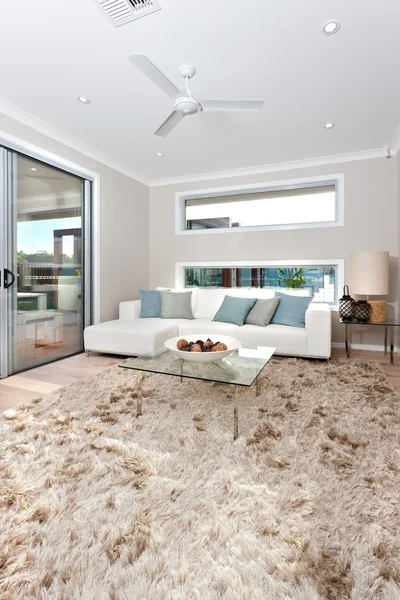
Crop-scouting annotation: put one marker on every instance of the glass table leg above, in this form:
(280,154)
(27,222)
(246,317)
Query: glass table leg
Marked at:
(139,395)
(347,340)
(235,412)
(386,338)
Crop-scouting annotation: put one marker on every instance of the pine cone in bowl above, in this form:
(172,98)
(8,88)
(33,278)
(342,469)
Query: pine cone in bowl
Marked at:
(181,343)
(196,348)
(208,344)
(220,347)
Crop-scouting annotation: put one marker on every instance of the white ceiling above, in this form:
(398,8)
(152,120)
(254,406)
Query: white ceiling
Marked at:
(52,51)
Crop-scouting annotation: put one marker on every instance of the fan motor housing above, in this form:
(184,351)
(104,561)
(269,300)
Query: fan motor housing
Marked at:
(187,105)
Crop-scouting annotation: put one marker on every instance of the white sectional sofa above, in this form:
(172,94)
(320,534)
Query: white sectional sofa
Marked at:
(132,336)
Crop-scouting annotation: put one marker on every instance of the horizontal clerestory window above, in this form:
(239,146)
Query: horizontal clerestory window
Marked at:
(319,281)
(292,206)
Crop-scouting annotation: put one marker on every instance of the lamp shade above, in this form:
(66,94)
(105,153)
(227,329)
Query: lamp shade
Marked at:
(369,273)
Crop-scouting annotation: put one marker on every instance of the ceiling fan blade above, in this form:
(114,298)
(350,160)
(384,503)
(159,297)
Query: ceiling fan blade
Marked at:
(168,125)
(222,105)
(152,72)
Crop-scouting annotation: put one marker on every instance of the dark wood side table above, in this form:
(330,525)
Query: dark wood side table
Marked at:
(388,325)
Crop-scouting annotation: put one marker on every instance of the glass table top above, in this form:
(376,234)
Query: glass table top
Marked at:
(386,322)
(240,368)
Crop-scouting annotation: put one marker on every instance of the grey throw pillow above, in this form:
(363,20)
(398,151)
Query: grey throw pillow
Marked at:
(262,312)
(176,305)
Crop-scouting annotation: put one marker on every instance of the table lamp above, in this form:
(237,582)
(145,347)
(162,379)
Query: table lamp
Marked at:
(369,276)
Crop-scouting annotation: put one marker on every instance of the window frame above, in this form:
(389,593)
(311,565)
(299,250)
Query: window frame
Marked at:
(336,180)
(338,263)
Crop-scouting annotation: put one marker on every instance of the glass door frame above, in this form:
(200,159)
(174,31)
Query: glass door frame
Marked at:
(7,236)
(4,210)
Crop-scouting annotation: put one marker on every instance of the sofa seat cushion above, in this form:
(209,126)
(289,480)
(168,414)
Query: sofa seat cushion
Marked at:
(287,340)
(207,326)
(131,337)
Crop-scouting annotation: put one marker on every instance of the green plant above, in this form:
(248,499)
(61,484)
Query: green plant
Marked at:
(292,278)
(77,272)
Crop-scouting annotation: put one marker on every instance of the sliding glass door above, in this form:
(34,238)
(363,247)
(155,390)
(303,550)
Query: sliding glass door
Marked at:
(45,263)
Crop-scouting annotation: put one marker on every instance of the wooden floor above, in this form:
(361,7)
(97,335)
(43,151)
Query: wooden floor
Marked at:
(26,386)
(392,371)
(21,388)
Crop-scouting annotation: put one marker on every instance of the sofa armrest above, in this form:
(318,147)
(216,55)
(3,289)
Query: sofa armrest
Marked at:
(129,309)
(318,329)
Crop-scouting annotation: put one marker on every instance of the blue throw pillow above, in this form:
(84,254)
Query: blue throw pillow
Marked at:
(235,310)
(291,310)
(151,304)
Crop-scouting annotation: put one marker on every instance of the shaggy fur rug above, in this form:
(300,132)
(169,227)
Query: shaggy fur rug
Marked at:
(98,505)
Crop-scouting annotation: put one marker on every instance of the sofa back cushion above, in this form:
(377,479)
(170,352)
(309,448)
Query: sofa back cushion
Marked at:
(207,303)
(261,293)
(150,305)
(176,305)
(291,310)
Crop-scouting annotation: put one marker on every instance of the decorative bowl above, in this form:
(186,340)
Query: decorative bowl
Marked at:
(203,357)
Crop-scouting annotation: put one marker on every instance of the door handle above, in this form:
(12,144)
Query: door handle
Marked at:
(7,274)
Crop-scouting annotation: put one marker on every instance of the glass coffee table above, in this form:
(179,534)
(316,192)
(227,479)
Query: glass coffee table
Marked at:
(240,369)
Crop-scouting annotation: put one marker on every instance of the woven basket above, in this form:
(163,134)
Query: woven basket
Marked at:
(378,311)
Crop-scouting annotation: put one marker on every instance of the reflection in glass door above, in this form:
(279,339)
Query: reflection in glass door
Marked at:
(45,253)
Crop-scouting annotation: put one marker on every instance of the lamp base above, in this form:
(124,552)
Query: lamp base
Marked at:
(378,311)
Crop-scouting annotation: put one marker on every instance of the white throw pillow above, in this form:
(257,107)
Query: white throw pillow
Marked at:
(208,302)
(238,292)
(261,293)
(294,292)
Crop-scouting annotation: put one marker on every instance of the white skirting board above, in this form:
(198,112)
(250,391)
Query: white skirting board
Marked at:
(376,348)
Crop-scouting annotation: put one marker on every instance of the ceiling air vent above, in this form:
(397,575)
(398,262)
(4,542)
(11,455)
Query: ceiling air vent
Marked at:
(120,12)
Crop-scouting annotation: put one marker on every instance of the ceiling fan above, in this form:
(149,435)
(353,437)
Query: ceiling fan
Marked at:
(185,103)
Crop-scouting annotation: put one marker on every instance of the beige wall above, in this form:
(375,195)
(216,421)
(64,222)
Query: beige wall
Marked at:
(124,222)
(371,209)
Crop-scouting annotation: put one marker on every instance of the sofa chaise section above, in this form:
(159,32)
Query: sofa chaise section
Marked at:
(130,337)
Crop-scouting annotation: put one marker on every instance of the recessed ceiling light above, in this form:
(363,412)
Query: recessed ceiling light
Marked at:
(83,99)
(329,125)
(331,27)
(160,154)
(33,169)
